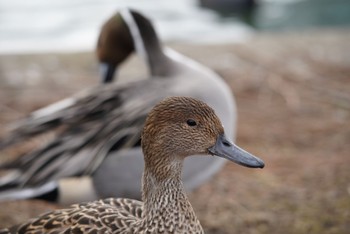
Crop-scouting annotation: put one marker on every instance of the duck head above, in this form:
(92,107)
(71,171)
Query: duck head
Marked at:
(114,45)
(125,32)
(179,127)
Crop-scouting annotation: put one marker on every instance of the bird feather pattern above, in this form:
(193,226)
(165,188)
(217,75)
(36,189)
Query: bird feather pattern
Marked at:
(104,118)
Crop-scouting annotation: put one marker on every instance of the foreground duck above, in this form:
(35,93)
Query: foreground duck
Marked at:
(100,128)
(175,128)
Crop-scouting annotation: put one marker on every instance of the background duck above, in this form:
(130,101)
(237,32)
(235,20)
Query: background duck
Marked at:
(102,126)
(175,128)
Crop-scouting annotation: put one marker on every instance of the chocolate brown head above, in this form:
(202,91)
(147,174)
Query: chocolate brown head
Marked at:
(114,45)
(128,31)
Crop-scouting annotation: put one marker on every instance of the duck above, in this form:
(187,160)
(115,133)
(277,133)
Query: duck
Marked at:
(100,128)
(176,128)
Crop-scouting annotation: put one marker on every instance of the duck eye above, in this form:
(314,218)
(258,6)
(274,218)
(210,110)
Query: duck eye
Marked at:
(191,122)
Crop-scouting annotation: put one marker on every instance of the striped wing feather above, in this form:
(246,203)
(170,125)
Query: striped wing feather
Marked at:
(108,117)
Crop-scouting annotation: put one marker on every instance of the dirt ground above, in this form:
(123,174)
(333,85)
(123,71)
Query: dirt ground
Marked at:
(293,97)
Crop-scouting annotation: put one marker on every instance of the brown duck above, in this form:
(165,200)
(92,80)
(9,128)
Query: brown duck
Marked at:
(175,128)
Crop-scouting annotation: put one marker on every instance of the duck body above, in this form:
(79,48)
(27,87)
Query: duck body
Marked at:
(175,128)
(100,142)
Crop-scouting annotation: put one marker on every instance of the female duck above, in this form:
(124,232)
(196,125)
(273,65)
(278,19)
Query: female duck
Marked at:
(176,128)
(102,126)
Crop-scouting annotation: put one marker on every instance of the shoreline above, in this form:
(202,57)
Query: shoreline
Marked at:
(251,36)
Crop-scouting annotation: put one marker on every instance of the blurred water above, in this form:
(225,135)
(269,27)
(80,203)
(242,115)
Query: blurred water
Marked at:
(301,14)
(73,25)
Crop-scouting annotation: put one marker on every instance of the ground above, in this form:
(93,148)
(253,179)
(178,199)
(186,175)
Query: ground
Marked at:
(293,99)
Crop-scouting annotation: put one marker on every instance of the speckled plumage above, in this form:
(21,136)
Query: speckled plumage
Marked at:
(175,128)
(94,217)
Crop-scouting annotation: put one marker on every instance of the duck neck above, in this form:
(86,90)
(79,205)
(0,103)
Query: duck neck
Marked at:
(164,195)
(147,44)
(159,64)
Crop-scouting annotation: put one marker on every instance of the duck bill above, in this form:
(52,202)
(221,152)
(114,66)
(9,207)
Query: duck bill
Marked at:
(107,71)
(226,149)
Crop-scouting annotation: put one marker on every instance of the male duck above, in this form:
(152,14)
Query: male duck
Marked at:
(101,127)
(175,128)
